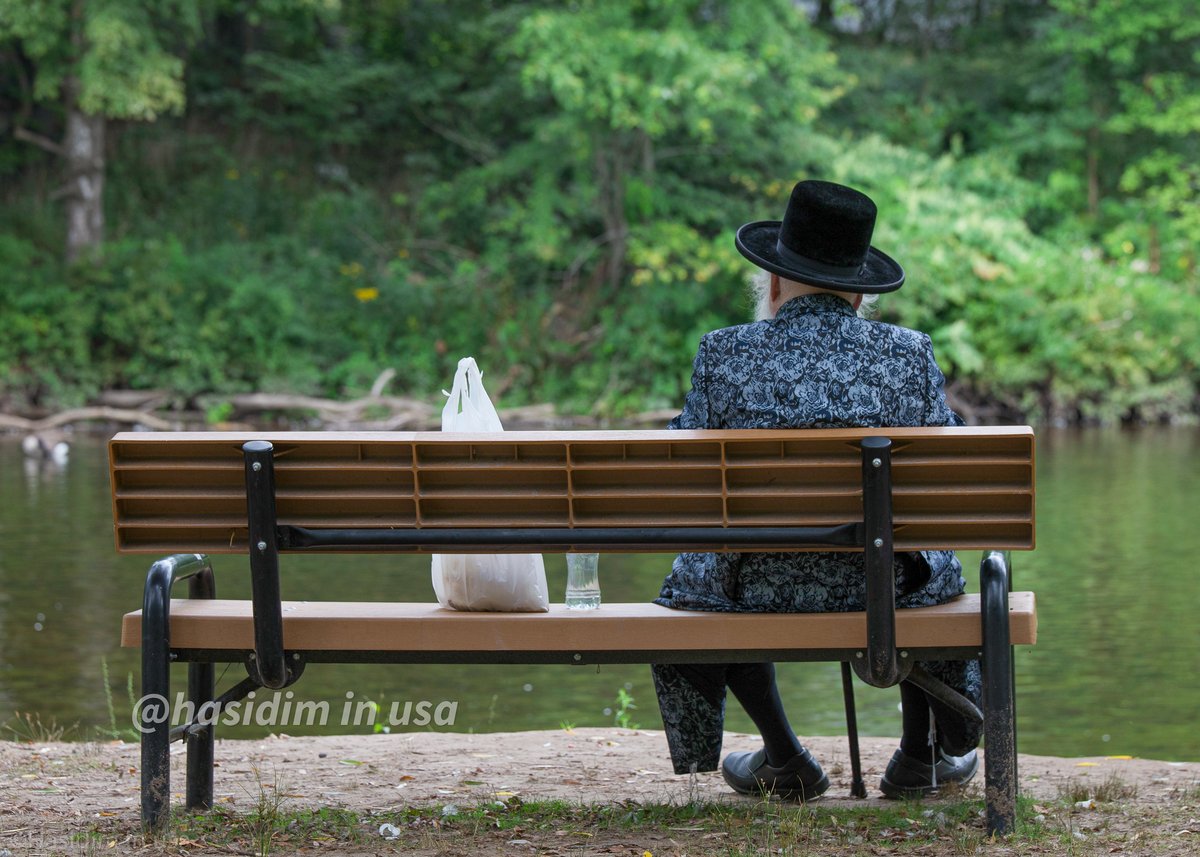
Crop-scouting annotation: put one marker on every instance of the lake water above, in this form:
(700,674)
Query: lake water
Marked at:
(1114,570)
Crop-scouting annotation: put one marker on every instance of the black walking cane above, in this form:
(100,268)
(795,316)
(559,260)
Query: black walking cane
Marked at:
(857,787)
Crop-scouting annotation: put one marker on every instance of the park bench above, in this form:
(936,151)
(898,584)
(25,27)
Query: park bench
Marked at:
(186,496)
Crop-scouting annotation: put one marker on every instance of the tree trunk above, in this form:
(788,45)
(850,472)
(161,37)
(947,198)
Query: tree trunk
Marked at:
(824,19)
(1095,142)
(83,148)
(1093,171)
(610,184)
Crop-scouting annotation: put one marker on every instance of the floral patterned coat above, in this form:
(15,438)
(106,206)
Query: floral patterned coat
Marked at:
(815,365)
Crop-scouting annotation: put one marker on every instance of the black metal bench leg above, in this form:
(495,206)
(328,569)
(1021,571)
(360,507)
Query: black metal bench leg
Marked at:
(200,742)
(201,689)
(857,787)
(154,712)
(999,726)
(153,716)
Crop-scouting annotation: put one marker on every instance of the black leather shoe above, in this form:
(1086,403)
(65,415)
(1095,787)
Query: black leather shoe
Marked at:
(800,779)
(908,777)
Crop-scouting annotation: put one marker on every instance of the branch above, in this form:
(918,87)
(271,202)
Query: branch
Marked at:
(433,244)
(407,413)
(76,415)
(481,150)
(8,421)
(572,274)
(401,414)
(382,381)
(38,140)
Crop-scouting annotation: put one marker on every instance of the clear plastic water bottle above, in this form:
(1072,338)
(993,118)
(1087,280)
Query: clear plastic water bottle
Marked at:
(583,581)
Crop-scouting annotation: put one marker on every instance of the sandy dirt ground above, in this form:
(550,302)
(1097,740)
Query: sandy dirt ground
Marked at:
(51,793)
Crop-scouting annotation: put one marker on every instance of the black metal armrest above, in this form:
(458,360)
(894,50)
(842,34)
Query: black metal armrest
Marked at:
(196,568)
(154,707)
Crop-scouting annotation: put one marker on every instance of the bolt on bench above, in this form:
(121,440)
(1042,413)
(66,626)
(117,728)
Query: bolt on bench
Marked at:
(188,495)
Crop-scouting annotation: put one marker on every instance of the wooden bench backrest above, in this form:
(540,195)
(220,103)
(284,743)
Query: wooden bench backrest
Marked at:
(952,487)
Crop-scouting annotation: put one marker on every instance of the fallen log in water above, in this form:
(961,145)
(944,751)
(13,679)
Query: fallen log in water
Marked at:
(373,412)
(90,414)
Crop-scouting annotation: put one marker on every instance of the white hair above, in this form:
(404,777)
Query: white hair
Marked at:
(760,294)
(760,297)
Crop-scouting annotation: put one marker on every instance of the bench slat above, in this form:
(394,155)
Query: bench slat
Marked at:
(424,627)
(953,487)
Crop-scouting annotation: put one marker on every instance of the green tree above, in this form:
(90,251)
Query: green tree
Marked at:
(94,61)
(649,97)
(1122,79)
(362,184)
(1156,59)
(608,172)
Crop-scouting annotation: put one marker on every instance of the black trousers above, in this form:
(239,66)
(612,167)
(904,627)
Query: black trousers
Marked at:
(692,701)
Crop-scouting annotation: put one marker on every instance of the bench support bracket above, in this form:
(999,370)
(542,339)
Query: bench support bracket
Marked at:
(268,665)
(881,667)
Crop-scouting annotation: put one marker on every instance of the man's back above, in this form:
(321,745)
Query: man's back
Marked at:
(815,365)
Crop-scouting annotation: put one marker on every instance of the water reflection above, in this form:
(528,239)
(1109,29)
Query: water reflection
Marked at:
(1113,573)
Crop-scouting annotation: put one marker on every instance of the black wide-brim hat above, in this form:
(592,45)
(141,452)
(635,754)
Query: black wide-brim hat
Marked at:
(824,240)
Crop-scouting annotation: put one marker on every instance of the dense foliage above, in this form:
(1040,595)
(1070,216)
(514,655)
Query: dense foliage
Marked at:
(553,187)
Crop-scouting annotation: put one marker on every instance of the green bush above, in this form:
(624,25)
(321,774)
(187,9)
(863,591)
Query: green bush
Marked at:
(330,295)
(46,320)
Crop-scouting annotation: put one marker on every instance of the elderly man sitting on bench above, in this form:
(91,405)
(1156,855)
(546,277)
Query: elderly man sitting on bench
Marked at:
(811,362)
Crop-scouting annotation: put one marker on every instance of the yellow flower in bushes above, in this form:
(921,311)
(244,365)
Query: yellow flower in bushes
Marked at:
(366,294)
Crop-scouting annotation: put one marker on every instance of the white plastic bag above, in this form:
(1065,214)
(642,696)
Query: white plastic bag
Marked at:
(512,583)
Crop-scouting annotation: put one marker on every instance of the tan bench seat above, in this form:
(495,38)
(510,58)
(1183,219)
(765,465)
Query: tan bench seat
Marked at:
(422,627)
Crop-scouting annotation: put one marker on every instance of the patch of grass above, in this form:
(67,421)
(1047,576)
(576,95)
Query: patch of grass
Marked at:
(764,826)
(1190,792)
(269,826)
(1109,790)
(29,727)
(86,837)
(729,829)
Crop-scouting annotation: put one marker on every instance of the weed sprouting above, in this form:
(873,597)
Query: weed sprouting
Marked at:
(113,731)
(29,727)
(1109,790)
(625,704)
(266,819)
